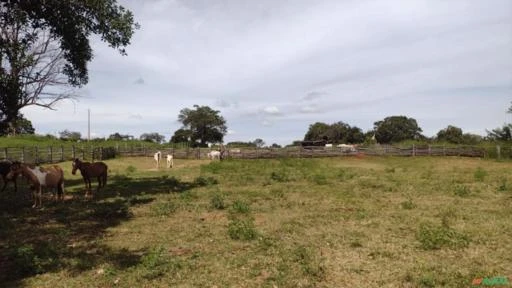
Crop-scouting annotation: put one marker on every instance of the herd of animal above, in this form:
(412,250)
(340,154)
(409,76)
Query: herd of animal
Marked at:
(51,177)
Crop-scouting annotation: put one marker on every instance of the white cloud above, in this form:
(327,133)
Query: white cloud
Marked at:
(271,110)
(356,61)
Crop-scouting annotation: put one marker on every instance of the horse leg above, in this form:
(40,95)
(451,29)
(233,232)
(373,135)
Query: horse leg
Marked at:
(5,183)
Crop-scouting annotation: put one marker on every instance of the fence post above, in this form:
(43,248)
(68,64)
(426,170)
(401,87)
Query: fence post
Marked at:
(36,156)
(5,152)
(62,153)
(73,152)
(51,153)
(429,150)
(101,153)
(23,154)
(413,150)
(498,151)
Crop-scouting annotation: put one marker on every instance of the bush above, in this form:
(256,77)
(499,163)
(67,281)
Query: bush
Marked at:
(240,207)
(436,237)
(242,230)
(217,202)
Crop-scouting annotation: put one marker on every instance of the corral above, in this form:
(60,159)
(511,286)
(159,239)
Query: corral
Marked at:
(322,222)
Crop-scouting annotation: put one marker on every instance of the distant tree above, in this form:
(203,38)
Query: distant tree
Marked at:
(259,142)
(241,144)
(471,139)
(395,129)
(117,136)
(274,145)
(501,134)
(152,137)
(451,134)
(338,132)
(70,135)
(317,131)
(181,136)
(205,124)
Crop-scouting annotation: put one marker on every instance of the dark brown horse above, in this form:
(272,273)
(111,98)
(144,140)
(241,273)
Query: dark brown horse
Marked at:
(5,168)
(89,170)
(39,177)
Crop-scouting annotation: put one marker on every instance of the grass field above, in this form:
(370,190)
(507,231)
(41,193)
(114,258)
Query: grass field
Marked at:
(332,222)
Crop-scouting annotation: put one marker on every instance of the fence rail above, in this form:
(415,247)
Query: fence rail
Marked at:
(53,154)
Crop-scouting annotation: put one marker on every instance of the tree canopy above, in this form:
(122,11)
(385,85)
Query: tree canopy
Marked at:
(45,48)
(338,132)
(152,137)
(396,128)
(201,124)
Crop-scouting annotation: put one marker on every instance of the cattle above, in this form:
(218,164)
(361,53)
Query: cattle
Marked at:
(170,162)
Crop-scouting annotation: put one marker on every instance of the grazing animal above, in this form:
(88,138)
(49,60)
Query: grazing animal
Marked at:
(347,148)
(5,168)
(214,154)
(90,170)
(39,177)
(157,156)
(170,162)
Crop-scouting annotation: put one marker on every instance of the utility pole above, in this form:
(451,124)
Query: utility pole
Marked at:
(88,125)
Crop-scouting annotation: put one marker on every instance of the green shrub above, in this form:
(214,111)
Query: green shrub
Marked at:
(217,202)
(240,206)
(436,237)
(462,190)
(480,174)
(242,229)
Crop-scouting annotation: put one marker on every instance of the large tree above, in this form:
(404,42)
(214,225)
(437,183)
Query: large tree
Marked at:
(204,124)
(338,132)
(44,49)
(396,129)
(451,134)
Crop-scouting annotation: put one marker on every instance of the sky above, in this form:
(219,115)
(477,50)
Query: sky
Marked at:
(272,68)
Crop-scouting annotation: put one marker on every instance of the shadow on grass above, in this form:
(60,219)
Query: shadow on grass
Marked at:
(65,235)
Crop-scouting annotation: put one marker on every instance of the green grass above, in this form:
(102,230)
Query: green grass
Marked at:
(332,222)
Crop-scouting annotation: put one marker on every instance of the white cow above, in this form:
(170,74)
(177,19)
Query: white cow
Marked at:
(214,154)
(157,157)
(347,148)
(170,162)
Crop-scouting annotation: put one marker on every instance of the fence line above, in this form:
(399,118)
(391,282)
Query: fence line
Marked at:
(53,154)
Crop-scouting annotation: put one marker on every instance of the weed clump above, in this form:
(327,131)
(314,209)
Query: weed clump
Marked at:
(434,237)
(217,202)
(242,229)
(480,174)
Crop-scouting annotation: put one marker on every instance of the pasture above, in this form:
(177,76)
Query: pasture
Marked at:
(323,222)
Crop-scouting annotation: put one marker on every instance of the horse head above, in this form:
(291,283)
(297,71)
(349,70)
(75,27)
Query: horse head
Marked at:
(76,165)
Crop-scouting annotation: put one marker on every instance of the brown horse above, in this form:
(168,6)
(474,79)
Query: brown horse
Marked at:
(39,177)
(5,168)
(88,170)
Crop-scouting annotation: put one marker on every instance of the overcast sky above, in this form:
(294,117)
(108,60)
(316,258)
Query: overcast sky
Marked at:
(272,68)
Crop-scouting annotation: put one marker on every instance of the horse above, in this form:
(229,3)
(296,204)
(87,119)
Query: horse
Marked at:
(157,156)
(214,154)
(5,168)
(170,162)
(39,177)
(89,170)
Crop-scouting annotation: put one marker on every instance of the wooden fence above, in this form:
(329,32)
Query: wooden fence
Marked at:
(53,154)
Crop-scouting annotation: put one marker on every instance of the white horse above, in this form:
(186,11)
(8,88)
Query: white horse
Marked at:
(170,162)
(214,154)
(157,157)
